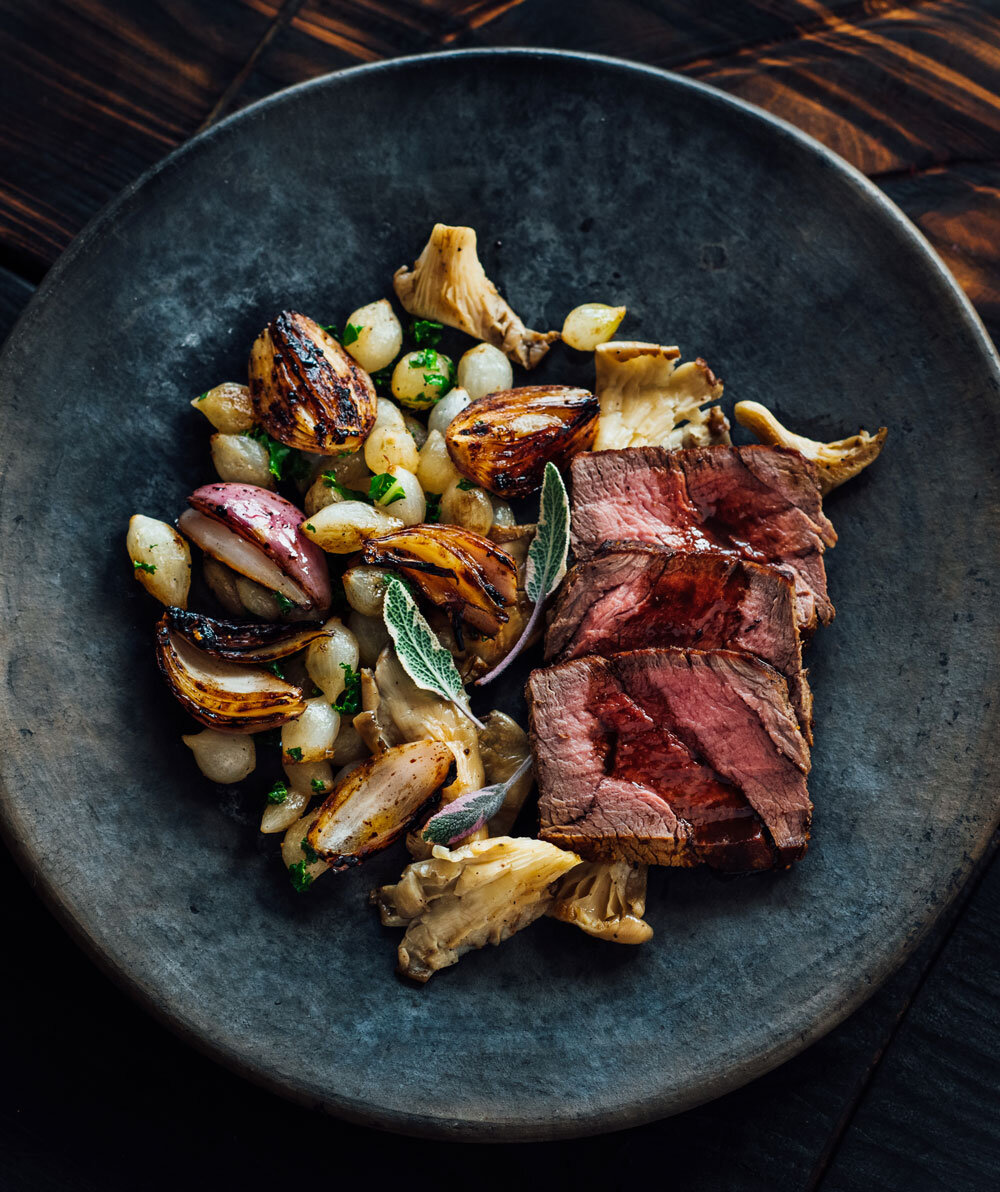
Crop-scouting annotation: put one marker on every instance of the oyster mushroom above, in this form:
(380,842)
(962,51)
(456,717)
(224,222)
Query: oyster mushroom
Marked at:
(228,696)
(503,746)
(418,714)
(606,899)
(373,805)
(373,724)
(307,391)
(836,462)
(457,900)
(647,400)
(504,440)
(258,534)
(448,284)
(460,571)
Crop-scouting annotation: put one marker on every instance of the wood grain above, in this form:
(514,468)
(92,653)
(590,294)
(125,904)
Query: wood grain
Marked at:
(95,91)
(929,1117)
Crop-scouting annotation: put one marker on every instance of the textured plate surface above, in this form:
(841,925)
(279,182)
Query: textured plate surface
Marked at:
(725,232)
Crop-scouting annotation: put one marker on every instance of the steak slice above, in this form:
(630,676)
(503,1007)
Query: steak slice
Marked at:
(630,596)
(761,503)
(670,757)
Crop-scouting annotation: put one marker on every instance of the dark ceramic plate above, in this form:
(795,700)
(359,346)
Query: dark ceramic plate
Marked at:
(724,231)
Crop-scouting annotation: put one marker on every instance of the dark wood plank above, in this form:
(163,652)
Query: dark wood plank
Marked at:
(131,1102)
(326,35)
(95,91)
(896,87)
(958,209)
(929,1117)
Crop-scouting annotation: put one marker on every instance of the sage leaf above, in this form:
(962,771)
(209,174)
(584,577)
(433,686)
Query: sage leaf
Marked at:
(428,663)
(466,814)
(546,564)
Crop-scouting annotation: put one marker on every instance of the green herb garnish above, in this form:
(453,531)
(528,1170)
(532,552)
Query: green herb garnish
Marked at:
(284,603)
(385,488)
(428,663)
(149,567)
(295,754)
(301,878)
(331,329)
(202,396)
(318,785)
(437,381)
(382,379)
(311,855)
(433,513)
(349,494)
(278,793)
(428,358)
(274,669)
(277,452)
(426,333)
(546,563)
(310,527)
(348,703)
(351,333)
(467,485)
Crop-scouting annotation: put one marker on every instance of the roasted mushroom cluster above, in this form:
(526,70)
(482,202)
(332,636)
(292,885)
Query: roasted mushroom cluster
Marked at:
(358,560)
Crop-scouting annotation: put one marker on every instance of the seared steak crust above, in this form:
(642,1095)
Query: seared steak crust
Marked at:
(670,757)
(760,503)
(631,596)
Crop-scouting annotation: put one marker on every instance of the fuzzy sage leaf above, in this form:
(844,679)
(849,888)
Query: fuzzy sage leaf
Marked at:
(546,563)
(466,814)
(428,663)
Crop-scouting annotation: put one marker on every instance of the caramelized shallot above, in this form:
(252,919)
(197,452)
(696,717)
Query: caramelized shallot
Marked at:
(228,696)
(456,569)
(373,805)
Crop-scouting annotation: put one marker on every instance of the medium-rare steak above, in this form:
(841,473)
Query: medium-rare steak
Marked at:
(762,503)
(631,596)
(670,757)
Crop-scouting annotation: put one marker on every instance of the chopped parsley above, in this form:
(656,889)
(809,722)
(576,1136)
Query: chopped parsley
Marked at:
(311,855)
(439,381)
(426,333)
(278,793)
(295,754)
(330,480)
(202,396)
(466,485)
(427,358)
(348,703)
(301,878)
(277,452)
(284,603)
(433,513)
(274,669)
(331,329)
(382,379)
(351,333)
(318,785)
(385,488)
(310,527)
(148,567)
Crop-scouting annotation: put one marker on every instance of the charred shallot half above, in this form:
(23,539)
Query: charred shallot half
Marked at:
(365,551)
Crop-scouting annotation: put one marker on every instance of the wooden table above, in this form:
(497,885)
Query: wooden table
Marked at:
(905,1093)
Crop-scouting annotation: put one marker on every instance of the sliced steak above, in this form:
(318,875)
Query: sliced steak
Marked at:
(761,503)
(670,757)
(633,596)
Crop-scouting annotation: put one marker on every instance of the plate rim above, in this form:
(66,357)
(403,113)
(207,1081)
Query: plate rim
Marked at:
(512,1128)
